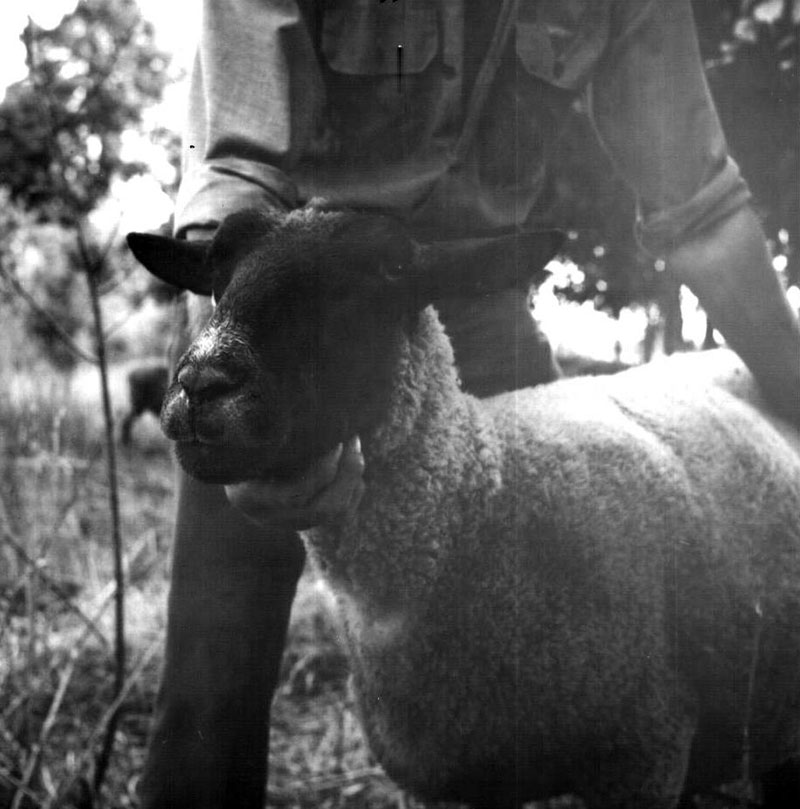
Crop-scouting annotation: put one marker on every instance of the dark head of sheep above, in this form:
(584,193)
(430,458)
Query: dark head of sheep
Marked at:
(297,356)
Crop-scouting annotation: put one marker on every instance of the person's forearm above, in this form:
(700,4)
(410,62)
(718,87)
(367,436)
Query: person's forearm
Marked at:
(728,267)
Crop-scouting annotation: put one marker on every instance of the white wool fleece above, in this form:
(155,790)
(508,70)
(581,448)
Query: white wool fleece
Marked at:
(567,581)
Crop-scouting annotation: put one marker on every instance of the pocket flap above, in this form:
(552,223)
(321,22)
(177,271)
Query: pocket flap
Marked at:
(361,37)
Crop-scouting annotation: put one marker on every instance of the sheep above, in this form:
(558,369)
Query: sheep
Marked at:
(588,587)
(147,386)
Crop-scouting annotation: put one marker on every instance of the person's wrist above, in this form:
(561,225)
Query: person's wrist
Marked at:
(328,493)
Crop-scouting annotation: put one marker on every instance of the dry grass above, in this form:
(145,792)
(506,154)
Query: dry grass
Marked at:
(56,592)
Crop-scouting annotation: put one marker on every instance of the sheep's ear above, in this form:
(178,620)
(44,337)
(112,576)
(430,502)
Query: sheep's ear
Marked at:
(475,266)
(235,237)
(176,261)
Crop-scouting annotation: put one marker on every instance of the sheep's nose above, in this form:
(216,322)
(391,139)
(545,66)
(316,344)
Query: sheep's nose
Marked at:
(205,382)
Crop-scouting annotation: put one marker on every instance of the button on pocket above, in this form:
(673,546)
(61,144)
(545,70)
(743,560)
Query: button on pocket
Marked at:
(361,37)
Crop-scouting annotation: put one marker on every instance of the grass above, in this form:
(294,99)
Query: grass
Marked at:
(55,586)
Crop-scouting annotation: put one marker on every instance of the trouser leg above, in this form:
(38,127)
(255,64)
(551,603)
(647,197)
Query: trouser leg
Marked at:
(497,344)
(232,588)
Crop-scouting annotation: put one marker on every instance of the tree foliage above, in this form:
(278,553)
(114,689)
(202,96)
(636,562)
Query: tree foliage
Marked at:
(751,52)
(62,135)
(89,80)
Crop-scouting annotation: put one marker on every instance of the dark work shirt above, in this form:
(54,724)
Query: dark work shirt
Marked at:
(296,100)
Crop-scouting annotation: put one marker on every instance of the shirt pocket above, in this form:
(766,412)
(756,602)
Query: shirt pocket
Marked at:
(560,42)
(361,37)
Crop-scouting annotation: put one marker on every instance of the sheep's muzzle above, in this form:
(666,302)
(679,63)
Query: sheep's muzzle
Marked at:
(217,416)
(232,421)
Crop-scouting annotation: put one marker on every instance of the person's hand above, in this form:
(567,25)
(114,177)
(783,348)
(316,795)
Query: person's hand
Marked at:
(328,493)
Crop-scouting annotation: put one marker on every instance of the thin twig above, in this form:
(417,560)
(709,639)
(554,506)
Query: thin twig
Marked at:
(63,510)
(111,714)
(37,748)
(106,250)
(17,784)
(92,272)
(64,679)
(23,786)
(141,665)
(13,706)
(75,649)
(61,333)
(327,781)
(52,585)
(118,324)
(11,741)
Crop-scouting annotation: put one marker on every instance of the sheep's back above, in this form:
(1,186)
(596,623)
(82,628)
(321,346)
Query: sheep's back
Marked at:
(605,583)
(684,499)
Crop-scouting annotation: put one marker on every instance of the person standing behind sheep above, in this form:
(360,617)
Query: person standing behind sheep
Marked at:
(440,113)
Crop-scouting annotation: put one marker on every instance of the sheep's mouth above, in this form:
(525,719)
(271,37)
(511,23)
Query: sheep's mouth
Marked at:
(210,463)
(226,464)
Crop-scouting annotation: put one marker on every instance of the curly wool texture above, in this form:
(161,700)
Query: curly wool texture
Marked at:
(563,589)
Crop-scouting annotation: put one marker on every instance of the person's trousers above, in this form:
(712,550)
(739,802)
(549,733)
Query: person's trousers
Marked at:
(496,342)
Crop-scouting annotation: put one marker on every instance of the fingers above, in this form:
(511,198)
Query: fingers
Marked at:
(337,503)
(328,492)
(342,496)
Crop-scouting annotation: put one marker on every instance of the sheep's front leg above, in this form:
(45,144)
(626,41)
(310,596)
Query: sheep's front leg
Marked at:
(232,589)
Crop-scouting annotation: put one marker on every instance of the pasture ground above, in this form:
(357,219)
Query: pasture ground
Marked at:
(56,619)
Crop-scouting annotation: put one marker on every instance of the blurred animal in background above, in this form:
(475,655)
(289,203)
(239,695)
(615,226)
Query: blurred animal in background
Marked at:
(147,384)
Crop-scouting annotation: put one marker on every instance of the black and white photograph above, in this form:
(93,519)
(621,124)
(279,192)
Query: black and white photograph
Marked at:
(400,404)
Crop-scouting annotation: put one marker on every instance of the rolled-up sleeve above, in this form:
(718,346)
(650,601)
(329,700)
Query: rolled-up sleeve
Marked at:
(255,98)
(654,114)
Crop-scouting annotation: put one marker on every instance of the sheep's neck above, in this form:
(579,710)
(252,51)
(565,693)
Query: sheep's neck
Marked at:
(417,469)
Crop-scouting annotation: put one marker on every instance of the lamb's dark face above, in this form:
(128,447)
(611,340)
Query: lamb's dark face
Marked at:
(299,353)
